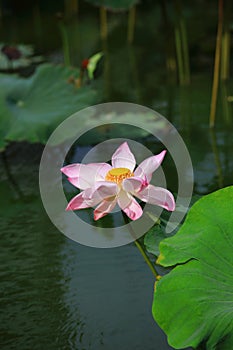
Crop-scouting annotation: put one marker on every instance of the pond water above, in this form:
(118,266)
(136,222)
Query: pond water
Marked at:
(57,294)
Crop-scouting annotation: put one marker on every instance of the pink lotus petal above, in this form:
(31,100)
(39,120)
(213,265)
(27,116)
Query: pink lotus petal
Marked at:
(158,196)
(79,183)
(105,189)
(80,202)
(104,208)
(85,175)
(92,196)
(123,158)
(149,165)
(133,184)
(129,205)
(71,170)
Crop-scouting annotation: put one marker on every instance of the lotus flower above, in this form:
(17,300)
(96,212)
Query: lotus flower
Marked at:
(106,185)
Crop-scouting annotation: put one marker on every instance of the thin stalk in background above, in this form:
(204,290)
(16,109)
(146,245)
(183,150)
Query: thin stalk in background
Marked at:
(103,23)
(226,41)
(135,73)
(226,104)
(107,71)
(216,65)
(181,42)
(131,24)
(179,55)
(185,110)
(70,8)
(167,28)
(1,13)
(65,44)
(216,158)
(37,20)
(185,52)
(225,58)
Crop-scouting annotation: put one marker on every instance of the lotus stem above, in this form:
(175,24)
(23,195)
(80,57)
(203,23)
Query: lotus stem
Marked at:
(140,247)
(131,24)
(216,65)
(147,260)
(103,23)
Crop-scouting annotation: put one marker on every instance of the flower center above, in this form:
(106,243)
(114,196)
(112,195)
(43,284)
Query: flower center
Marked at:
(118,175)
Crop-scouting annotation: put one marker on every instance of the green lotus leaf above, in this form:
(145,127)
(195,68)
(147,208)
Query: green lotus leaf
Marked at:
(114,4)
(193,304)
(31,108)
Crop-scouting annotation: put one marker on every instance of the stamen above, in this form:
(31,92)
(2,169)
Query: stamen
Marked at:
(118,175)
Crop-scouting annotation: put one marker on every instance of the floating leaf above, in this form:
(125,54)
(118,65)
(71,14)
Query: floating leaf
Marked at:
(31,108)
(194,302)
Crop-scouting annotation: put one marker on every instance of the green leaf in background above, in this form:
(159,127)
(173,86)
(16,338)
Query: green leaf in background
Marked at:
(194,302)
(114,4)
(93,60)
(31,108)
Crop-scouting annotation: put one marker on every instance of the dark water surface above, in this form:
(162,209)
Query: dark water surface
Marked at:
(57,294)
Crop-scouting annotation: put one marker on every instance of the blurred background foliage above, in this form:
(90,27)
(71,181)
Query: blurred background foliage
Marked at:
(151,53)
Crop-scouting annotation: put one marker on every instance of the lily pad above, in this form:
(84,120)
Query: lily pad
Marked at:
(193,304)
(31,108)
(114,4)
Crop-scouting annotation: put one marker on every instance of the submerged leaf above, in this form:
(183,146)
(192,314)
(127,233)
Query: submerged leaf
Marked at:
(194,302)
